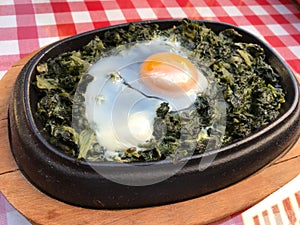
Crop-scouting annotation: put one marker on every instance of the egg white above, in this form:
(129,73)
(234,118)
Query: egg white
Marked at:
(119,107)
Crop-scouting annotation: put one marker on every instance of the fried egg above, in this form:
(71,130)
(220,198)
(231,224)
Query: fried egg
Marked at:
(129,85)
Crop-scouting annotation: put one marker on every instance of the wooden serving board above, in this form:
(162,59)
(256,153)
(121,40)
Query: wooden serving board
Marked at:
(42,209)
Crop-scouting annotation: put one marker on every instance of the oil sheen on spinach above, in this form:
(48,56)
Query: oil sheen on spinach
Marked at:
(249,85)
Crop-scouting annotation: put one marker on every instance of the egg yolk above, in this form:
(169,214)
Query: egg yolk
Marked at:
(169,72)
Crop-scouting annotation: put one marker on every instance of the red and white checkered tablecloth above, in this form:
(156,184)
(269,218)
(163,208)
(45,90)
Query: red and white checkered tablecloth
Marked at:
(27,25)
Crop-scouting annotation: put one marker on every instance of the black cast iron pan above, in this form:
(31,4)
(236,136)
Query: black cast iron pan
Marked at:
(95,185)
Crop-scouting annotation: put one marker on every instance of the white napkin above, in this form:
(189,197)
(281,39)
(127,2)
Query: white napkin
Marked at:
(9,215)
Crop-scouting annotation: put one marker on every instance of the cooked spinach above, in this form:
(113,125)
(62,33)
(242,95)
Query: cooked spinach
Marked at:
(249,86)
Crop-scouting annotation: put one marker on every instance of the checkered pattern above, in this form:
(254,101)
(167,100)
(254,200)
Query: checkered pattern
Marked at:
(281,207)
(26,25)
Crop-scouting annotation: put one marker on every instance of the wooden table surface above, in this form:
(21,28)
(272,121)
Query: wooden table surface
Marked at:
(42,209)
